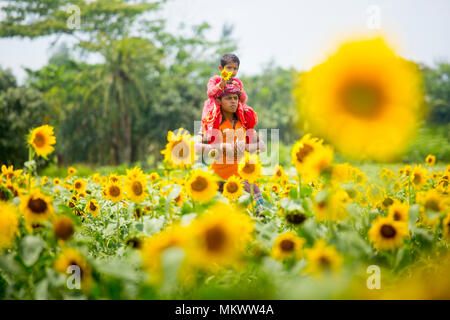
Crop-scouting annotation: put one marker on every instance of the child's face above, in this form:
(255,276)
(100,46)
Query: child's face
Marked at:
(231,66)
(229,102)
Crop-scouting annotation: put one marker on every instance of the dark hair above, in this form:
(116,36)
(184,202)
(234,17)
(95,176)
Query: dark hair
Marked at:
(229,57)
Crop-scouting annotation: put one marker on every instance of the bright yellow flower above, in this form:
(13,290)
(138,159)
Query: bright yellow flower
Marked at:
(179,151)
(430,160)
(322,258)
(72,258)
(36,206)
(387,233)
(301,150)
(399,211)
(219,237)
(63,228)
(114,192)
(71,171)
(287,245)
(419,176)
(79,185)
(136,189)
(250,168)
(364,100)
(9,225)
(9,173)
(226,75)
(202,186)
(232,188)
(92,207)
(42,140)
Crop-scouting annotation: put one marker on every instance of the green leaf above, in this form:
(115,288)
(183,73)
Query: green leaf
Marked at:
(413,215)
(31,248)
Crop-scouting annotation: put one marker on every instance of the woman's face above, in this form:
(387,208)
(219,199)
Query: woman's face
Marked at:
(229,102)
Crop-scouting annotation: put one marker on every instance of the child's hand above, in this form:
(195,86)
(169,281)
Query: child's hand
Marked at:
(222,83)
(237,84)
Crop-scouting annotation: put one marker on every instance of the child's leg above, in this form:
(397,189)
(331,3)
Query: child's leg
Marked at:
(257,196)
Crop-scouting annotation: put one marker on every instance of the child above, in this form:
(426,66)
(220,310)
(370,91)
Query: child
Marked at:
(234,118)
(230,62)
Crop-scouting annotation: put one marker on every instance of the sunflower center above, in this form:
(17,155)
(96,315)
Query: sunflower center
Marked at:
(362,99)
(432,204)
(388,231)
(279,173)
(38,205)
(249,168)
(304,152)
(296,218)
(137,188)
(92,206)
(232,187)
(39,140)
(417,178)
(397,216)
(215,239)
(324,262)
(199,184)
(287,245)
(77,185)
(114,191)
(179,149)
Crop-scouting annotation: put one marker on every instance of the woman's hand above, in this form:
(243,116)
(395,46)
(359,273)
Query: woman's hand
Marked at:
(222,84)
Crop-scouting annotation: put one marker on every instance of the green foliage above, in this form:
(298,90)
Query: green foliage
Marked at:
(21,109)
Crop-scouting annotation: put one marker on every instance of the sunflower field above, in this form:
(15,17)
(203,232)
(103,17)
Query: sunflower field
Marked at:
(329,230)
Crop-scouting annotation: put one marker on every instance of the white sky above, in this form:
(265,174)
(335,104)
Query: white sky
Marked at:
(293,32)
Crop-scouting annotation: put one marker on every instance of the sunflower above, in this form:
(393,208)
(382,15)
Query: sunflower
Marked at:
(136,172)
(232,189)
(114,178)
(36,206)
(9,173)
(364,99)
(419,176)
(63,228)
(446,227)
(318,163)
(287,245)
(226,75)
(278,173)
(9,225)
(79,185)
(96,178)
(136,189)
(72,258)
(275,188)
(387,233)
(430,160)
(398,211)
(179,151)
(322,258)
(153,247)
(386,175)
(92,207)
(302,149)
(250,168)
(42,139)
(432,203)
(219,237)
(331,205)
(114,192)
(71,171)
(202,186)
(57,181)
(154,176)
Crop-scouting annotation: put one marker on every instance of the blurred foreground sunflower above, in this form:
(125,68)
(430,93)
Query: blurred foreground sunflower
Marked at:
(364,99)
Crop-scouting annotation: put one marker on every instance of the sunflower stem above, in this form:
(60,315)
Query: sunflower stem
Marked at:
(118,221)
(299,186)
(409,190)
